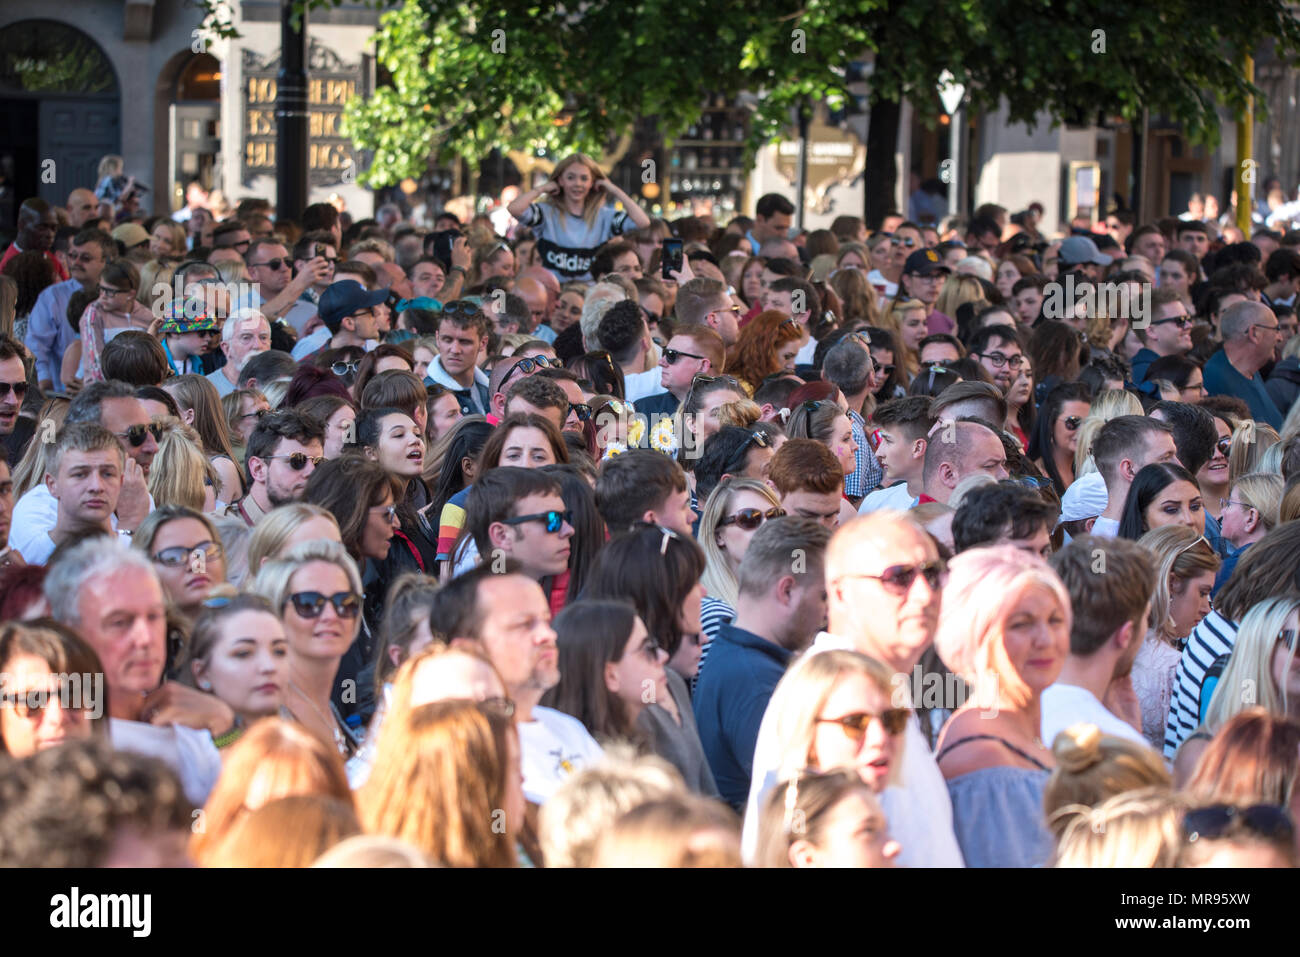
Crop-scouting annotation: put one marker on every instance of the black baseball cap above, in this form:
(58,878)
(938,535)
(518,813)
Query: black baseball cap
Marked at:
(925,262)
(341,299)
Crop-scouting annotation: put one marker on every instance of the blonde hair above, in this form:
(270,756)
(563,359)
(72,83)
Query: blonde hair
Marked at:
(591,800)
(741,414)
(679,830)
(719,580)
(1177,552)
(959,289)
(272,579)
(1262,491)
(595,197)
(1250,440)
(802,693)
(153,273)
(31,468)
(1109,404)
(893,321)
(372,850)
(439,782)
(273,759)
(1140,828)
(275,391)
(984,587)
(1247,679)
(287,832)
(274,528)
(181,473)
(1092,767)
(800,808)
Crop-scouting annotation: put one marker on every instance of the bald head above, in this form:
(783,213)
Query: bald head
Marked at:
(82,207)
(873,539)
(957,450)
(547,278)
(534,295)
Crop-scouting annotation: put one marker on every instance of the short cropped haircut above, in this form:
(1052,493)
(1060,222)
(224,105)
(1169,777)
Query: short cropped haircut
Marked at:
(395,388)
(539,392)
(494,495)
(84,437)
(696,298)
(633,483)
(848,366)
(805,465)
(707,341)
(1194,432)
(772,552)
(463,319)
(910,414)
(86,560)
(456,611)
(1122,437)
(1110,581)
(621,330)
(997,510)
(992,404)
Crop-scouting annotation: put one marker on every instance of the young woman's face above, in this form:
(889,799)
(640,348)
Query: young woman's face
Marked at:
(1022,387)
(575,182)
(1287,679)
(733,539)
(871,753)
(842,444)
(706,421)
(568,310)
(248,666)
(340,429)
(638,678)
(1008,276)
(1214,473)
(248,411)
(160,242)
(785,355)
(1189,601)
(855,834)
(1063,434)
(400,448)
(686,660)
(914,330)
(444,413)
(423,356)
(527,448)
(378,531)
(751,283)
(326,636)
(41,728)
(1179,503)
(881,257)
(203,563)
(1036,638)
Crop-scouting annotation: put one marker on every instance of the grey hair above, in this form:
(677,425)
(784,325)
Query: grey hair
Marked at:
(848,366)
(1237,319)
(599,299)
(95,556)
(272,580)
(87,406)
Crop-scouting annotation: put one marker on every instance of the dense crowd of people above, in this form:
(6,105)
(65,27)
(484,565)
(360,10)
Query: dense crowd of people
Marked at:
(577,538)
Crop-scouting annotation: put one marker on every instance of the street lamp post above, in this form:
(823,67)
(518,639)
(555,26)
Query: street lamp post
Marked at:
(291,115)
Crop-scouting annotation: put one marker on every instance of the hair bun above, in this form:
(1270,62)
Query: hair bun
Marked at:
(1078,748)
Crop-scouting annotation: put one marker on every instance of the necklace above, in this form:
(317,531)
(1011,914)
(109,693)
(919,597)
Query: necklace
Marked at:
(339,741)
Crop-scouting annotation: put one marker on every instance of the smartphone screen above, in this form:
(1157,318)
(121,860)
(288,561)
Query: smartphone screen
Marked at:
(442,242)
(672,257)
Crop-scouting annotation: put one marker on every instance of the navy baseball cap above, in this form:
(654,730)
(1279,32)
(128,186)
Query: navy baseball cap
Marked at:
(341,299)
(925,262)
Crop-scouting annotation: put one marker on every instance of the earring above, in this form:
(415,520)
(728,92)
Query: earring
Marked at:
(205,685)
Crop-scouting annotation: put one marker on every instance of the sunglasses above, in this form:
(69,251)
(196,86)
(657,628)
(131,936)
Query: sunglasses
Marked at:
(273,264)
(31,704)
(668,534)
(855,725)
(1072,423)
(581,409)
(554,520)
(755,438)
(461,307)
(138,434)
(182,555)
(1219,820)
(1183,322)
(342,369)
(909,242)
(672,355)
(751,518)
(1224,445)
(298,460)
(310,604)
(812,405)
(389,512)
(899,578)
(888,370)
(19,389)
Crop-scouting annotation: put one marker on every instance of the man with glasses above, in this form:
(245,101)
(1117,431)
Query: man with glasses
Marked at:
(705,301)
(519,514)
(1250,334)
(888,564)
(780,611)
(244,334)
(922,278)
(13,388)
(348,310)
(48,331)
(231,234)
(999,351)
(694,350)
(283,451)
(1169,332)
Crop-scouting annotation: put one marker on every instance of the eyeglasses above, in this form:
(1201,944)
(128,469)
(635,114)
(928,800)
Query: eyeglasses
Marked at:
(110,291)
(899,578)
(888,370)
(1072,422)
(1184,322)
(812,405)
(554,520)
(894,721)
(650,317)
(1219,820)
(751,518)
(342,368)
(461,307)
(672,355)
(19,389)
(273,264)
(180,555)
(138,434)
(1262,325)
(389,512)
(999,360)
(298,460)
(729,382)
(310,604)
(1224,445)
(1225,502)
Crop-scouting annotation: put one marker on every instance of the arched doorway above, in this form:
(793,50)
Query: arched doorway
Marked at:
(195,118)
(59,112)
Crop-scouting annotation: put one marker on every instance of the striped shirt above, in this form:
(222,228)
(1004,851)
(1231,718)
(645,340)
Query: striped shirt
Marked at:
(714,613)
(1213,637)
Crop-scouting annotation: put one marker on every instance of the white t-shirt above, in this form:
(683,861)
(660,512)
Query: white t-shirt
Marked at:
(804,357)
(554,745)
(1105,527)
(1065,705)
(640,385)
(187,751)
(878,280)
(918,809)
(895,497)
